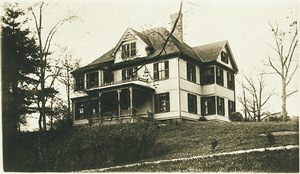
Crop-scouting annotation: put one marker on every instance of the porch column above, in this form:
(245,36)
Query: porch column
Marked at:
(131,100)
(73,112)
(119,102)
(99,105)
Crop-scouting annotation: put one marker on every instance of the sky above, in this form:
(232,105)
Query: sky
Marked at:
(245,24)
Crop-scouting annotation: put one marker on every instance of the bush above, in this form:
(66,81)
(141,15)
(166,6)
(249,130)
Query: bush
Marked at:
(270,138)
(202,119)
(86,148)
(236,117)
(214,143)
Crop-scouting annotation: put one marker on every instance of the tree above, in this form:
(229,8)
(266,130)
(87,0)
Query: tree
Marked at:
(18,62)
(284,64)
(255,99)
(43,53)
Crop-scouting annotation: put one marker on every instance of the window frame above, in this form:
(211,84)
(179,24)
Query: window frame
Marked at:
(208,75)
(231,109)
(191,72)
(128,50)
(162,106)
(230,83)
(192,103)
(161,70)
(88,79)
(224,57)
(129,73)
(220,76)
(79,82)
(221,106)
(208,105)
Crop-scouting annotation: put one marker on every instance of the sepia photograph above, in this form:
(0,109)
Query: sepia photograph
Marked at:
(189,86)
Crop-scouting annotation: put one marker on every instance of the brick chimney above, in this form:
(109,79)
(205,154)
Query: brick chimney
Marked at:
(178,33)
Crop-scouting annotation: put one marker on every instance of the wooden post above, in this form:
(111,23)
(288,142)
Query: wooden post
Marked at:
(131,103)
(119,104)
(99,103)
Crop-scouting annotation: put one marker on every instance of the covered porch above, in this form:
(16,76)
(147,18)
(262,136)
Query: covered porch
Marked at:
(112,105)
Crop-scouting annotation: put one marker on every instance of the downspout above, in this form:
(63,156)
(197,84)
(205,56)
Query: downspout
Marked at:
(179,97)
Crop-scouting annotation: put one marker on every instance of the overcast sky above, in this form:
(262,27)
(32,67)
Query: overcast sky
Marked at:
(100,25)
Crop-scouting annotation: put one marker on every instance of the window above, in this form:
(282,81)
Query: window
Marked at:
(92,80)
(128,50)
(161,70)
(208,76)
(129,73)
(191,72)
(231,107)
(220,79)
(192,104)
(208,106)
(79,80)
(79,110)
(108,77)
(230,81)
(224,57)
(162,102)
(221,108)
(95,107)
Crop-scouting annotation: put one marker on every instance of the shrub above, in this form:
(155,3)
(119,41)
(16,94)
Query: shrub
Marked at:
(88,147)
(202,119)
(270,138)
(236,116)
(214,143)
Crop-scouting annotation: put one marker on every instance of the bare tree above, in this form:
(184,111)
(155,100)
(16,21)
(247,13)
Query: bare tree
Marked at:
(254,97)
(284,64)
(43,53)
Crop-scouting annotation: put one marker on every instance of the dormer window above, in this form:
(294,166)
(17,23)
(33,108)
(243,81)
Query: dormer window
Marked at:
(128,50)
(224,57)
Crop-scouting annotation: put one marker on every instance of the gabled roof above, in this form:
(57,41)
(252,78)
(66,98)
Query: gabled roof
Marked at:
(210,52)
(155,38)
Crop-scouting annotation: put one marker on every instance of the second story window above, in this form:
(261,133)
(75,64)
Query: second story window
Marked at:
(219,78)
(92,80)
(128,50)
(161,70)
(108,77)
(79,80)
(224,57)
(208,76)
(230,80)
(129,74)
(191,72)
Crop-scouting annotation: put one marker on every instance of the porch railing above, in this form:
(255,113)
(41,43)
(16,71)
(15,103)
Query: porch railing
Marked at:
(126,80)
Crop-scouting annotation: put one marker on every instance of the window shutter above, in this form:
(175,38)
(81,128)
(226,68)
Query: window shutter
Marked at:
(123,74)
(155,68)
(168,101)
(167,69)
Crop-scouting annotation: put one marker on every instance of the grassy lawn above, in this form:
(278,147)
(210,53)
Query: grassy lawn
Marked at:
(194,138)
(269,161)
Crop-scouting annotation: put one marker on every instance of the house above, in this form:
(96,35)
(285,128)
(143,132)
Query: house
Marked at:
(142,77)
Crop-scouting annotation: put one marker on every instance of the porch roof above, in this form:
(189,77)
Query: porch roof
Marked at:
(113,87)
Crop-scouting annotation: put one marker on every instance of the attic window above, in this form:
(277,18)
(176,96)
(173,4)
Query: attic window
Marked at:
(128,50)
(224,57)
